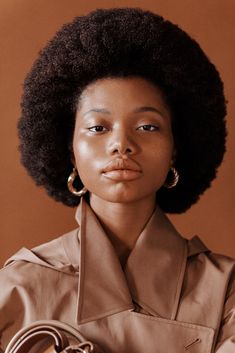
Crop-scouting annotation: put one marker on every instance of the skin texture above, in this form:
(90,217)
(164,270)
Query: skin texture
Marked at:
(143,138)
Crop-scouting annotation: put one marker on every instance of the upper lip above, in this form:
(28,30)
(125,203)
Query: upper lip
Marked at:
(120,163)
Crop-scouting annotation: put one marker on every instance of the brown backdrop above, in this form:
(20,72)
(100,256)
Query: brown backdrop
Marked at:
(27,216)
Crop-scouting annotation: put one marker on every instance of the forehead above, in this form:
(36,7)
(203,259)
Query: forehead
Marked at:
(120,92)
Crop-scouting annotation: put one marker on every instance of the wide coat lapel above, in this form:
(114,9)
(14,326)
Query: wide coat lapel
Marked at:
(103,289)
(152,277)
(155,268)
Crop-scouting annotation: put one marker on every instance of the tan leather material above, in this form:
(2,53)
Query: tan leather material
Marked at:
(61,334)
(172,295)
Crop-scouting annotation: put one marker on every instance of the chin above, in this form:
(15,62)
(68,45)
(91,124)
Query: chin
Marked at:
(121,197)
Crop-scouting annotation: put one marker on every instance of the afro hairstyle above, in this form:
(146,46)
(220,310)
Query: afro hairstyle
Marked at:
(122,42)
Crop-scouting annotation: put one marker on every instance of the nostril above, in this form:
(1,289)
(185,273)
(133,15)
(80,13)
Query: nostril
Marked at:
(122,151)
(126,152)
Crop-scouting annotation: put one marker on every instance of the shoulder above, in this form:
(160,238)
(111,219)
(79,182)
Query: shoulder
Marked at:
(27,271)
(52,255)
(199,252)
(207,285)
(214,273)
(28,281)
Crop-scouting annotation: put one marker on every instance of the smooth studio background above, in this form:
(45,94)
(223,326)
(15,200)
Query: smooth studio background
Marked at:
(27,215)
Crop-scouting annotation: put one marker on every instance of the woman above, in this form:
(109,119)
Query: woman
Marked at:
(123,115)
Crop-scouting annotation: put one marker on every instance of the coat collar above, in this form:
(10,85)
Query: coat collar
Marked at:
(152,277)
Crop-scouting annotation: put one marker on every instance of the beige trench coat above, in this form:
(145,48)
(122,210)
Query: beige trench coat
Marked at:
(172,296)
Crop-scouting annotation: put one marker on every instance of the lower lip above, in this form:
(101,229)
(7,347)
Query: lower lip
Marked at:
(122,174)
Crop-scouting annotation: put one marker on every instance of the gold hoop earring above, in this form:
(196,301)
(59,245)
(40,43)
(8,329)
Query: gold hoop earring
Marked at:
(171,184)
(70,182)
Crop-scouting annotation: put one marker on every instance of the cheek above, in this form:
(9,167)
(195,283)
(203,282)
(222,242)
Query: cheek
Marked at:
(158,159)
(162,151)
(81,150)
(86,158)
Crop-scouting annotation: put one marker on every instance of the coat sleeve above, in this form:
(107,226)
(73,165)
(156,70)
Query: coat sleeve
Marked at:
(226,336)
(13,306)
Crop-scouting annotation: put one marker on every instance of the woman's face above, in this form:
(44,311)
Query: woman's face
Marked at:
(123,143)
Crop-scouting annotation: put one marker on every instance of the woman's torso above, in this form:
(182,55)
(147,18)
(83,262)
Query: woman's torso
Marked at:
(169,297)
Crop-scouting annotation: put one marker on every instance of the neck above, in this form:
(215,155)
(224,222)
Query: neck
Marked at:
(123,222)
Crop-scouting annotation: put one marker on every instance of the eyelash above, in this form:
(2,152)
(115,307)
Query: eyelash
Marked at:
(142,126)
(93,127)
(150,125)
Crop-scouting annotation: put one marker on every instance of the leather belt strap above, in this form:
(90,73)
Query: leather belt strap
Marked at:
(59,332)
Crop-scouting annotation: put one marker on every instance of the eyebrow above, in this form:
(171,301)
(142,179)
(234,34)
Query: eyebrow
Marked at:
(137,110)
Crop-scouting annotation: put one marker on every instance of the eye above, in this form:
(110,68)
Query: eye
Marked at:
(148,127)
(97,128)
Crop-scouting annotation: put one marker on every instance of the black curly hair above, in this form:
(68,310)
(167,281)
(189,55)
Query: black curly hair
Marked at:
(122,42)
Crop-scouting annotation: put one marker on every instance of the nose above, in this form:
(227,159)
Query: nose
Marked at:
(121,143)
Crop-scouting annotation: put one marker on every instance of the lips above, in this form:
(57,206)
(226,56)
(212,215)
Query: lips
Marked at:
(122,169)
(121,164)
